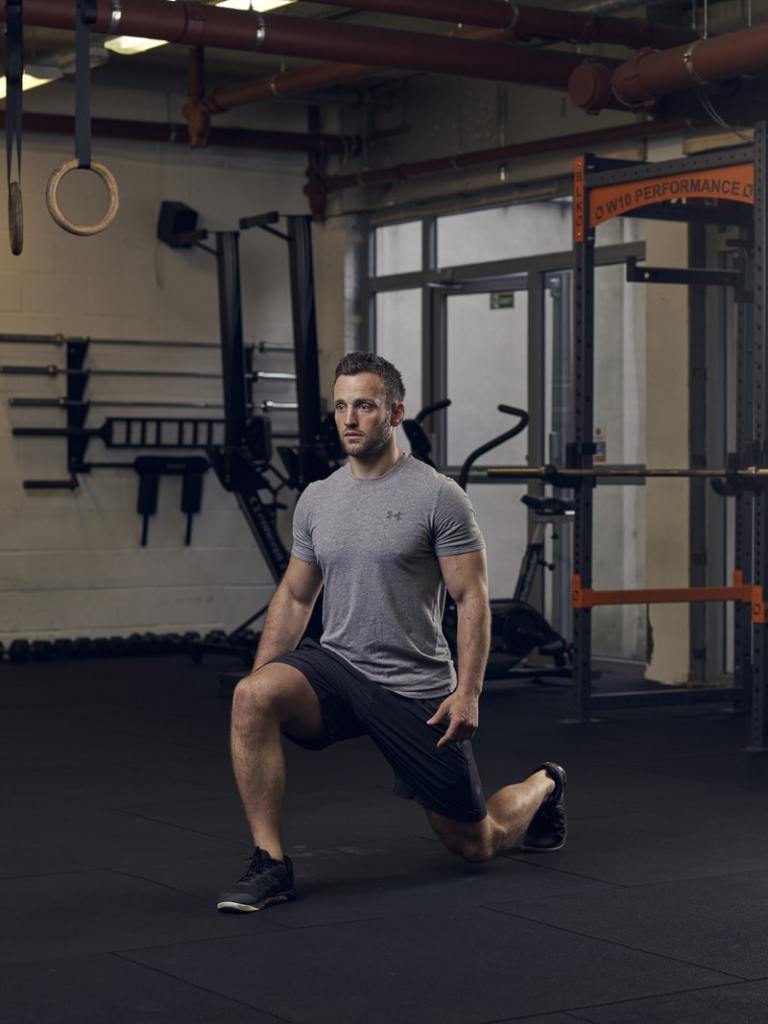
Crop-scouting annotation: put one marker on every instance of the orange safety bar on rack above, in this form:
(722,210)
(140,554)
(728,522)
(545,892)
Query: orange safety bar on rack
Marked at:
(748,593)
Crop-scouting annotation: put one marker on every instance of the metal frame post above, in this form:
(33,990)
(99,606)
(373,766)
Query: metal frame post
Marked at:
(583,422)
(537,404)
(428,339)
(433,344)
(559,287)
(299,229)
(758,721)
(232,355)
(698,575)
(744,512)
(369,294)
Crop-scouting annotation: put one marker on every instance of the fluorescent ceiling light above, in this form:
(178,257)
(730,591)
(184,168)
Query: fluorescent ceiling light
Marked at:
(32,78)
(129,45)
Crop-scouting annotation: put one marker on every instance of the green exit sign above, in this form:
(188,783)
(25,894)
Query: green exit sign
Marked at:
(502,300)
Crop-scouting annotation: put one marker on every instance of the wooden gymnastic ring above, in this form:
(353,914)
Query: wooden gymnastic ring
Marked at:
(52,200)
(15,218)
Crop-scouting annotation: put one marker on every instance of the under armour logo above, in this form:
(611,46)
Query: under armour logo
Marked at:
(395,515)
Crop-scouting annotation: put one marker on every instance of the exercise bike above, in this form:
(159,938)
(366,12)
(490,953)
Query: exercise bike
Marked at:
(517,628)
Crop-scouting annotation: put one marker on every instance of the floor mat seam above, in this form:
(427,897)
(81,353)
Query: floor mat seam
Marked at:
(168,824)
(201,988)
(522,859)
(642,999)
(620,945)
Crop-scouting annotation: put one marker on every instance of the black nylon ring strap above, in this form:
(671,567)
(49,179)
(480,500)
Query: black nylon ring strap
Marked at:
(86,14)
(14,69)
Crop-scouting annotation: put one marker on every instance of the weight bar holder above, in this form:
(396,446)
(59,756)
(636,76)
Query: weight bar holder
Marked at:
(115,432)
(150,468)
(735,484)
(77,383)
(190,433)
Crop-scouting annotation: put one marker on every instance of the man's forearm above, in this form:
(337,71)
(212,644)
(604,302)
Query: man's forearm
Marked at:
(283,627)
(473,642)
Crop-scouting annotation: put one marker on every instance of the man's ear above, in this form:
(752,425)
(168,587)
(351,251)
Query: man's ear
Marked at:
(398,414)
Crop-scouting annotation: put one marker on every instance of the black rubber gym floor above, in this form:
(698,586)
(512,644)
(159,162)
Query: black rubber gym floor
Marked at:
(120,823)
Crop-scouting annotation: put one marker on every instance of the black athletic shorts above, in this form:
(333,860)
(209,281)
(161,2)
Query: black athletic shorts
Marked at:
(444,780)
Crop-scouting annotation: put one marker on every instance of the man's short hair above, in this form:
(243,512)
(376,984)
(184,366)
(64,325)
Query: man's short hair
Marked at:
(369,362)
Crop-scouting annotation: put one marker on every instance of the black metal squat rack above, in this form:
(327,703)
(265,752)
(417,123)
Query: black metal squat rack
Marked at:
(604,189)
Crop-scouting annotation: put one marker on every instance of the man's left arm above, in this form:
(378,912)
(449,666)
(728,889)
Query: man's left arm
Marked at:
(466,577)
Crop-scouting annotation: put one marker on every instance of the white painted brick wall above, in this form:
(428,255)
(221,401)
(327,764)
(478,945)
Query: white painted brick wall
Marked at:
(71,563)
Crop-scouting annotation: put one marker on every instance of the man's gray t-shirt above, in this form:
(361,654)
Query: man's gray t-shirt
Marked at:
(376,542)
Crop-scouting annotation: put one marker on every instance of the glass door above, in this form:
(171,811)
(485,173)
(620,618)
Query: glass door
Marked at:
(486,364)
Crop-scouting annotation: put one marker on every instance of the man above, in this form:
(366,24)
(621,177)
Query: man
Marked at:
(385,536)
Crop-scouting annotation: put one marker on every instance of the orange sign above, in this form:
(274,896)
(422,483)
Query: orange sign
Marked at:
(735,183)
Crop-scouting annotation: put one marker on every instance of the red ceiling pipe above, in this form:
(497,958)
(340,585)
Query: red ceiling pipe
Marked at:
(581,140)
(493,13)
(576,27)
(198,123)
(648,75)
(533,22)
(159,131)
(192,23)
(198,109)
(196,73)
(285,83)
(289,83)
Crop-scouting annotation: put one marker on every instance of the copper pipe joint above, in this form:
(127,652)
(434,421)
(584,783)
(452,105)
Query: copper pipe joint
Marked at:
(198,119)
(589,87)
(628,86)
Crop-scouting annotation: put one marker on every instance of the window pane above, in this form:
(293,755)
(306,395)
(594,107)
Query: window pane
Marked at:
(504,523)
(619,552)
(487,365)
(506,232)
(398,248)
(398,339)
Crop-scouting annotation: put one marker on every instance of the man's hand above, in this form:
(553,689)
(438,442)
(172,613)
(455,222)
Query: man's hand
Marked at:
(463,714)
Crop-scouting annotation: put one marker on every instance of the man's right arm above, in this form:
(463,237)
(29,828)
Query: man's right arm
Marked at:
(289,610)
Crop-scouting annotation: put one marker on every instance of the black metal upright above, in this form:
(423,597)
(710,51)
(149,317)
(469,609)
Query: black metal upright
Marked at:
(743,511)
(583,418)
(698,415)
(758,720)
(304,334)
(231,327)
(239,462)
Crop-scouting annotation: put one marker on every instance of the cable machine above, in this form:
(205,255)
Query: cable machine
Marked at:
(243,461)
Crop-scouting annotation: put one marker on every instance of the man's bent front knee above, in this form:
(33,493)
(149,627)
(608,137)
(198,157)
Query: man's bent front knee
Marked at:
(281,694)
(253,698)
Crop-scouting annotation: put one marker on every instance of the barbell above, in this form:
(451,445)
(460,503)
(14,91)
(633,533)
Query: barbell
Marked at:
(584,472)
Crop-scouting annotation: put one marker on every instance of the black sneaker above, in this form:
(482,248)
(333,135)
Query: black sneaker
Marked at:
(549,827)
(266,881)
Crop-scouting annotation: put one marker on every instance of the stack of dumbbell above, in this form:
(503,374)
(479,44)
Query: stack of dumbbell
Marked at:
(135,645)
